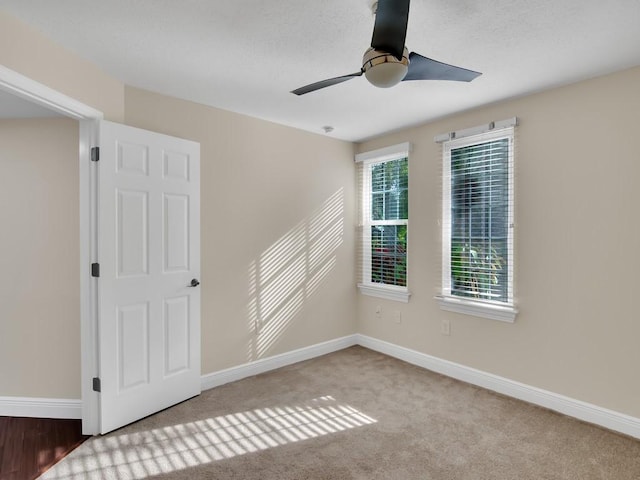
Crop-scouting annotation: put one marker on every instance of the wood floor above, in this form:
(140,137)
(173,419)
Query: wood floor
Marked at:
(29,446)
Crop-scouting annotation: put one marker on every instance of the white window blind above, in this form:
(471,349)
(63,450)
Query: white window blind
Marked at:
(383,184)
(478,218)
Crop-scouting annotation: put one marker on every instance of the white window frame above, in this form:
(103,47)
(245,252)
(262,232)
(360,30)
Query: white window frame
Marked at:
(367,159)
(503,311)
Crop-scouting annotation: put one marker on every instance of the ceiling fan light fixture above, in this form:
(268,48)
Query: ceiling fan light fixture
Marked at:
(388,62)
(382,69)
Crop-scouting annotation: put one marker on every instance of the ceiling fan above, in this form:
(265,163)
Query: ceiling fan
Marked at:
(388,62)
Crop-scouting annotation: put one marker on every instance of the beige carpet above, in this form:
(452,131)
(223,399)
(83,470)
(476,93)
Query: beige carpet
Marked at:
(354,414)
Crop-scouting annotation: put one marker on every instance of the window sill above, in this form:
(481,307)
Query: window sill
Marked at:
(478,309)
(387,292)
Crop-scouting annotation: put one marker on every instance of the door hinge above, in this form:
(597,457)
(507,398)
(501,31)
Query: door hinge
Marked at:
(95,269)
(95,154)
(96,384)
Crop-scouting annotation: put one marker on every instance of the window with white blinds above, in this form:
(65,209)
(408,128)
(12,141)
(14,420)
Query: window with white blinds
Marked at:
(384,189)
(478,218)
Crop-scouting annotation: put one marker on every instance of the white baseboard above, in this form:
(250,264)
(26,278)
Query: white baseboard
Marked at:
(66,408)
(40,407)
(263,365)
(619,422)
(610,419)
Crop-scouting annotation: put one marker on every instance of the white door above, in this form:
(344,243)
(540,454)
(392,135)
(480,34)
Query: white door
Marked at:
(149,267)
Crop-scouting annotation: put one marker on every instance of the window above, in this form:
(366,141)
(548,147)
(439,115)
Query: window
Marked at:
(384,189)
(477,273)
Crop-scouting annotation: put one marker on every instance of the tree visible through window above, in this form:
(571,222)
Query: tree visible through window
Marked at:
(477,214)
(388,221)
(383,183)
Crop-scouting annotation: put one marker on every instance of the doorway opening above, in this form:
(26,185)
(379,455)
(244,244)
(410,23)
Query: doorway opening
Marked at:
(41,96)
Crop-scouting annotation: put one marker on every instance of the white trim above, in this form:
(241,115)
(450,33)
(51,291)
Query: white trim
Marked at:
(466,306)
(263,365)
(88,287)
(619,422)
(587,412)
(40,407)
(388,292)
(367,160)
(23,87)
(392,152)
(480,129)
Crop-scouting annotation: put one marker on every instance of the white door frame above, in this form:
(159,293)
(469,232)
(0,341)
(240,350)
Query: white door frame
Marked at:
(88,118)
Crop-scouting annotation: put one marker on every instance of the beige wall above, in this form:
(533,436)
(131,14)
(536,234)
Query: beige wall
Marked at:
(277,218)
(277,241)
(26,51)
(577,231)
(278,236)
(39,259)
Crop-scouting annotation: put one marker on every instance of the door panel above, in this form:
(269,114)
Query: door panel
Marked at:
(133,345)
(176,318)
(176,166)
(132,220)
(176,233)
(149,250)
(133,159)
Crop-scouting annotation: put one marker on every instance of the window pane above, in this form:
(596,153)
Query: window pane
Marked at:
(478,269)
(389,254)
(389,190)
(377,206)
(479,220)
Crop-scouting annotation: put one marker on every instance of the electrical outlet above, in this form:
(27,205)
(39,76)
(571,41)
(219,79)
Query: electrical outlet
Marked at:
(378,311)
(445,327)
(397,317)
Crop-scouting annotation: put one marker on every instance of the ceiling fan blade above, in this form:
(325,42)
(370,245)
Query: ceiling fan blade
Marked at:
(423,68)
(325,83)
(390,29)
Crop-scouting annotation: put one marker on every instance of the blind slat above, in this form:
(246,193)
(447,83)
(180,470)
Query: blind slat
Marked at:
(384,214)
(478,215)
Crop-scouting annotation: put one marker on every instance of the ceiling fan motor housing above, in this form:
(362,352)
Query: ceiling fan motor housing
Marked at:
(383,69)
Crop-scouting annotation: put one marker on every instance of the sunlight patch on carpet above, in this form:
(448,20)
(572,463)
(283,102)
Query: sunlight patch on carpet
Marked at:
(178,447)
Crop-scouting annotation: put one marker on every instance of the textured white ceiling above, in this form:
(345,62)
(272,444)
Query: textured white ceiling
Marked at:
(247,55)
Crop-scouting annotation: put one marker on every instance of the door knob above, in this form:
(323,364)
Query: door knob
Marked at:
(194,283)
